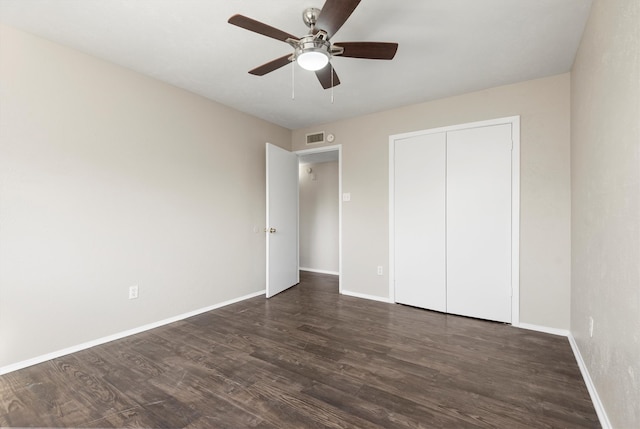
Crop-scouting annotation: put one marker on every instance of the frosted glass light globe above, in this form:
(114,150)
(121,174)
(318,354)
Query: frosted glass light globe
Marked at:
(312,60)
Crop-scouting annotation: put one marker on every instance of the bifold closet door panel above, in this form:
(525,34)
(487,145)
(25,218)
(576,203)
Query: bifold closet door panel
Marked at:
(479,222)
(419,221)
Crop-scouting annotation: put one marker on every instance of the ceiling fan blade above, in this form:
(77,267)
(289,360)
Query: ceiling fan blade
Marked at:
(334,13)
(260,28)
(271,66)
(369,50)
(324,76)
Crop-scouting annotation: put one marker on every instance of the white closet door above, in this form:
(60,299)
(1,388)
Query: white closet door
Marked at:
(479,222)
(419,221)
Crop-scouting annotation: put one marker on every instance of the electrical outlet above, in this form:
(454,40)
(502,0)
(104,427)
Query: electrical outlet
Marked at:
(590,327)
(379,270)
(133,292)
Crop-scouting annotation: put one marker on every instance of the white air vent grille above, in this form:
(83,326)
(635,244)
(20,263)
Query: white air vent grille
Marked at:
(315,138)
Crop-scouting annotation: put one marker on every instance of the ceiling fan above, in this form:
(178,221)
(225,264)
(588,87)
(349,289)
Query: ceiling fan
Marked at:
(315,50)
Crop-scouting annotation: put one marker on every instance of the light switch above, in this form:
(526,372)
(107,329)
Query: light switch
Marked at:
(346,196)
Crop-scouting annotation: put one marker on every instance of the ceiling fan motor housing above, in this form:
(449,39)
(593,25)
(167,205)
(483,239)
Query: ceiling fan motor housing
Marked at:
(312,43)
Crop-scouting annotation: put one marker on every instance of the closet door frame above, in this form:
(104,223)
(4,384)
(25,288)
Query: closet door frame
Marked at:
(514,121)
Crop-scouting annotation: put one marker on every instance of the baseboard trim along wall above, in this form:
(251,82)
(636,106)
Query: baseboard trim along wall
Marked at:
(119,335)
(595,398)
(313,270)
(597,403)
(365,296)
(545,329)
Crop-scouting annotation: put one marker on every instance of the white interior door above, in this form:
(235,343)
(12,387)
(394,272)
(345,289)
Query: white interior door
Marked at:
(419,221)
(282,220)
(479,222)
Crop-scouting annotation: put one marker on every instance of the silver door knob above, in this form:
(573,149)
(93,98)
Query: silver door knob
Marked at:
(270,230)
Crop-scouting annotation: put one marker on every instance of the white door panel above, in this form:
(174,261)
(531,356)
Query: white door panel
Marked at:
(282,220)
(419,221)
(479,222)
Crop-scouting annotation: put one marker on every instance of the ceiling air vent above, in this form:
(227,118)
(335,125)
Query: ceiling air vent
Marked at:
(315,138)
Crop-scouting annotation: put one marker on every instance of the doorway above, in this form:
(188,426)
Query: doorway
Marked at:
(320,210)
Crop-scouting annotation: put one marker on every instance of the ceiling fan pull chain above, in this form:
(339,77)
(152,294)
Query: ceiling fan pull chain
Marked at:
(332,86)
(293,81)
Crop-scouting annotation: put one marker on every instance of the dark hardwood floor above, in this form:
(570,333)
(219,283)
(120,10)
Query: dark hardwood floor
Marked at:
(309,358)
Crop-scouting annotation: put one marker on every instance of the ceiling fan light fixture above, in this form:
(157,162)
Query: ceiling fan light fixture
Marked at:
(313,59)
(312,52)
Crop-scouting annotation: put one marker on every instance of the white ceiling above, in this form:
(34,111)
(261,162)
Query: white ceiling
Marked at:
(446,47)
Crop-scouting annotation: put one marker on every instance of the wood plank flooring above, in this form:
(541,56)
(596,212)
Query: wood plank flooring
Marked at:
(309,358)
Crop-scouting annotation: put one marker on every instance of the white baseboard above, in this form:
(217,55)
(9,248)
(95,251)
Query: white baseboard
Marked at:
(545,329)
(365,296)
(119,335)
(595,398)
(313,270)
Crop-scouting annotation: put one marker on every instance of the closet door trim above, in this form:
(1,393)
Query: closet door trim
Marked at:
(514,121)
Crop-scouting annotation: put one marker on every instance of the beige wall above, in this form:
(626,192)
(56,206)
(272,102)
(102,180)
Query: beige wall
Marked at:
(543,105)
(109,179)
(319,206)
(605,164)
